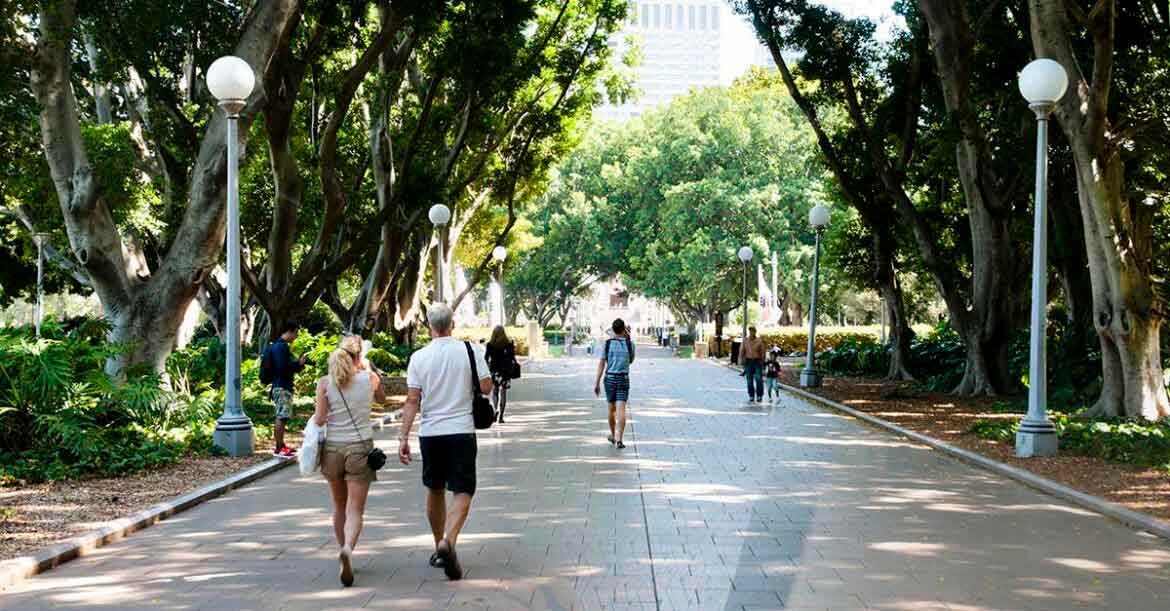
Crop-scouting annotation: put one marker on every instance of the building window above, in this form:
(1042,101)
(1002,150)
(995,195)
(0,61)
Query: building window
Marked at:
(678,11)
(657,15)
(668,18)
(702,17)
(690,17)
(619,299)
(645,16)
(714,17)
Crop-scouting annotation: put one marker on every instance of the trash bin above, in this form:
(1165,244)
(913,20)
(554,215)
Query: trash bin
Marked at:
(735,343)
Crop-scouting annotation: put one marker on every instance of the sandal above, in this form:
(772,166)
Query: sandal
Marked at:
(621,446)
(451,566)
(611,440)
(436,561)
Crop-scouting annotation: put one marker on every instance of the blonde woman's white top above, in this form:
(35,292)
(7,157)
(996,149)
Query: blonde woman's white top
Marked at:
(359,394)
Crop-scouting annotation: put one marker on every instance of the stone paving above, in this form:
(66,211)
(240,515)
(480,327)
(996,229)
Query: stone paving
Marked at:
(715,504)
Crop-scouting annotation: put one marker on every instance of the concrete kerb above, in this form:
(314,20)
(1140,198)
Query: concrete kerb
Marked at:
(1129,517)
(18,569)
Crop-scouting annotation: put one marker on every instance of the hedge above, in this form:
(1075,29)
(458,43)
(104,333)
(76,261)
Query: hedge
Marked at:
(518,335)
(796,340)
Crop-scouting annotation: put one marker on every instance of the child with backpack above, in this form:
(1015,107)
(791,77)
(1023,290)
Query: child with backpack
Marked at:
(277,368)
(772,372)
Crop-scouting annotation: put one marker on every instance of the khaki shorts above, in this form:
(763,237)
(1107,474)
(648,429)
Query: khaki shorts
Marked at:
(347,461)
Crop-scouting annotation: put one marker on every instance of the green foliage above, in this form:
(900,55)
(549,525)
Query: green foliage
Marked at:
(667,200)
(60,416)
(856,356)
(1131,442)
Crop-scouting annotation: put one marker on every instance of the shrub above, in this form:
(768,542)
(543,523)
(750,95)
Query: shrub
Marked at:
(1144,444)
(792,341)
(856,356)
(60,416)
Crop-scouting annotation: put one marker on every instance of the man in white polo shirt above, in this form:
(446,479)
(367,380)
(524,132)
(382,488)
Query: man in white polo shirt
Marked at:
(439,382)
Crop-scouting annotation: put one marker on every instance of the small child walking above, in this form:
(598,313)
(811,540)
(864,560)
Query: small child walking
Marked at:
(772,373)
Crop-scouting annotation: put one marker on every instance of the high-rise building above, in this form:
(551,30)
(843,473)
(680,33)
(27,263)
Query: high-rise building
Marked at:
(685,44)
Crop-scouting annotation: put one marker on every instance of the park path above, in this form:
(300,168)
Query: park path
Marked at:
(716,504)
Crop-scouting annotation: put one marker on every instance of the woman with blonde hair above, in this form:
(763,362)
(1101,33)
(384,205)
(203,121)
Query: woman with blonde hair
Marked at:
(343,405)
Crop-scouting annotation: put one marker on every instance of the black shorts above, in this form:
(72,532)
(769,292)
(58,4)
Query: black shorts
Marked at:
(449,462)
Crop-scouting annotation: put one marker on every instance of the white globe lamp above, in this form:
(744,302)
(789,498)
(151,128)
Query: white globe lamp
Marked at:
(1043,81)
(499,253)
(746,254)
(230,78)
(818,217)
(439,214)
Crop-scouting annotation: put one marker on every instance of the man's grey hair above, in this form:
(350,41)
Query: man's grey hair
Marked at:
(440,317)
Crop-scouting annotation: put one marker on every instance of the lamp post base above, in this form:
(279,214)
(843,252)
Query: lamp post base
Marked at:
(810,378)
(233,434)
(1036,439)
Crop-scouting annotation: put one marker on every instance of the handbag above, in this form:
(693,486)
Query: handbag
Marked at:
(482,411)
(515,373)
(312,449)
(375,458)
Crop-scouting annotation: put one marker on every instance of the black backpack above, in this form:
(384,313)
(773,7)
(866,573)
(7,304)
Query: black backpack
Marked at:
(267,367)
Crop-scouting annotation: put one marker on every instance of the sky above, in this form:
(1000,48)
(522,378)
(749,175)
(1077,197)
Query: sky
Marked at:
(741,39)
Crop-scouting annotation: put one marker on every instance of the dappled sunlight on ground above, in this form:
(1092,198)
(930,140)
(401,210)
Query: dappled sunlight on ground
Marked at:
(714,504)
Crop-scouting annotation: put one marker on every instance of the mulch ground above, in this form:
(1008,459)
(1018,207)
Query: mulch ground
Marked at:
(39,515)
(948,418)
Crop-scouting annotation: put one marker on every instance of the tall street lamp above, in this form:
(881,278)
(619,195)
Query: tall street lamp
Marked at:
(1042,83)
(818,217)
(439,215)
(500,253)
(230,79)
(39,240)
(745,255)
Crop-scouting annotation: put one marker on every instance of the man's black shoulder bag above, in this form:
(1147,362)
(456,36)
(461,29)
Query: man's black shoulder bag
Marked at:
(481,408)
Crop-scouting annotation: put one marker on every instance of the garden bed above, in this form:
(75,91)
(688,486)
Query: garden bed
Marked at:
(38,515)
(949,418)
(34,516)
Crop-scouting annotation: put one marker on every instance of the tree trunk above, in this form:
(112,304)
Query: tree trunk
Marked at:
(1118,235)
(994,307)
(887,282)
(144,307)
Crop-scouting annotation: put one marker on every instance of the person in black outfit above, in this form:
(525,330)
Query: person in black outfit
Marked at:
(284,368)
(501,359)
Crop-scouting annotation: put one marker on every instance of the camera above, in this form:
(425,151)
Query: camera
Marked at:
(310,362)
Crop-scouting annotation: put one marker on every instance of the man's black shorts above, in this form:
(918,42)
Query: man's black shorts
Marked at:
(449,462)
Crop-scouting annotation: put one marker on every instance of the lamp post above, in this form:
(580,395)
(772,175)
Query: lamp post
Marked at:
(439,215)
(500,253)
(1042,83)
(39,240)
(745,255)
(818,217)
(230,79)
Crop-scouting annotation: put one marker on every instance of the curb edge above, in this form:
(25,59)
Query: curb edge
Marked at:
(18,569)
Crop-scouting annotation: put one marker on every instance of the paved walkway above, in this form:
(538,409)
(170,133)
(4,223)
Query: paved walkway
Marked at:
(715,505)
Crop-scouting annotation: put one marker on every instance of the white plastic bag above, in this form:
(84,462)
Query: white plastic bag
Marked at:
(309,458)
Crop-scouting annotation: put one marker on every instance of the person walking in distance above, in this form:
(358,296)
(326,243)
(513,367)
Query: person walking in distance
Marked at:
(753,365)
(616,356)
(343,407)
(438,382)
(278,368)
(501,358)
